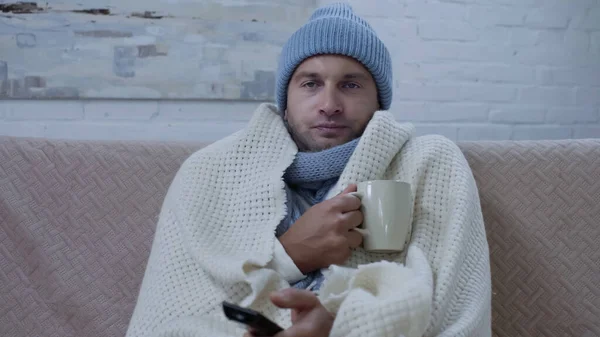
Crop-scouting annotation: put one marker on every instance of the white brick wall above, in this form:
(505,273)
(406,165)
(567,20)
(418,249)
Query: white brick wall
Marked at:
(466,69)
(125,120)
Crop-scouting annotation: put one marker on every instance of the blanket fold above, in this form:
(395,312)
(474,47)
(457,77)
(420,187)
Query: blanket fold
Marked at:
(216,229)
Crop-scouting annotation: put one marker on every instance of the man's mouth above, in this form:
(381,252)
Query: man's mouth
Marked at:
(330,126)
(329,130)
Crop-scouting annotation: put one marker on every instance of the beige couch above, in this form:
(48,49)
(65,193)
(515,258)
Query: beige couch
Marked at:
(77,221)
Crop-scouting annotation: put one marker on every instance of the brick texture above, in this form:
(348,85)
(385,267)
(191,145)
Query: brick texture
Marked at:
(466,69)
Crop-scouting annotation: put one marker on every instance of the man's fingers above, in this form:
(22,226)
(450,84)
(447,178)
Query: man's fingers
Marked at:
(296,331)
(292,298)
(347,203)
(316,323)
(354,238)
(251,333)
(353,219)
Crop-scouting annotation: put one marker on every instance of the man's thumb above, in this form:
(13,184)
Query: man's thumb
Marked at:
(292,298)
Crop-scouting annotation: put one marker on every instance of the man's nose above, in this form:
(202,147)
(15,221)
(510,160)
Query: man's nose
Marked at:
(330,102)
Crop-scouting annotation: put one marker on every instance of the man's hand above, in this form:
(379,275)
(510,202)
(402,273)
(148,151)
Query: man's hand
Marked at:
(323,235)
(309,316)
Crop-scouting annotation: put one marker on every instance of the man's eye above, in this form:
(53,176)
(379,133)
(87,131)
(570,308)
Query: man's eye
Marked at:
(351,85)
(309,84)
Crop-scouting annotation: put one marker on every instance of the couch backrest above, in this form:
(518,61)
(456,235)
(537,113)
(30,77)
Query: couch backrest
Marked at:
(541,206)
(76,225)
(77,221)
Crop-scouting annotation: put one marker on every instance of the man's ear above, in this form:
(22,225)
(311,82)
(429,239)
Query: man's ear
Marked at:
(285,116)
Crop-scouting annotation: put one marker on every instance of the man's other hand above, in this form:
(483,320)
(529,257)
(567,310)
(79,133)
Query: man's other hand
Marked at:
(323,235)
(309,316)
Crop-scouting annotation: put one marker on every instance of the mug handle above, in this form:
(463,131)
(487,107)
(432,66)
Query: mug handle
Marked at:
(363,232)
(357,194)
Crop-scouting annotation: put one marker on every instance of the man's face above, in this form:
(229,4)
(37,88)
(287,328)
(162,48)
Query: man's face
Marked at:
(330,102)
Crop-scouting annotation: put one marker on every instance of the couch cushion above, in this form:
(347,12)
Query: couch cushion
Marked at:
(76,225)
(541,204)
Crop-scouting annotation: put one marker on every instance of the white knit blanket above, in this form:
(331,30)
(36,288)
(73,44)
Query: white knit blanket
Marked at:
(215,235)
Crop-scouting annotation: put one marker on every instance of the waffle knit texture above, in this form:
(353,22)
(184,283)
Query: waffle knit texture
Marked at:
(336,29)
(308,179)
(215,235)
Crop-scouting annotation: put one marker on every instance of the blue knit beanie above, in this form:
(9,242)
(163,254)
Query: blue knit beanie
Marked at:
(335,29)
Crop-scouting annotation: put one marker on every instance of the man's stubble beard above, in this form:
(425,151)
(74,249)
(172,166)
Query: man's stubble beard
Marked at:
(297,138)
(303,144)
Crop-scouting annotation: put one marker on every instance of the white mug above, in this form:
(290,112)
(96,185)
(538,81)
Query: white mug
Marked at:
(387,211)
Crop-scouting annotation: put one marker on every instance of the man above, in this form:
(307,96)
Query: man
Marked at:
(264,218)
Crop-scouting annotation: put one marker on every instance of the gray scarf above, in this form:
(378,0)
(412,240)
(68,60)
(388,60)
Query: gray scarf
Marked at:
(308,179)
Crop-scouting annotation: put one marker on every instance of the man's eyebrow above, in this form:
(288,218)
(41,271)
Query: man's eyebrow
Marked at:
(313,75)
(306,74)
(357,76)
